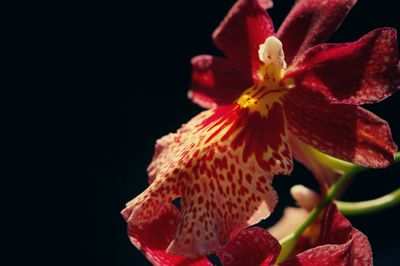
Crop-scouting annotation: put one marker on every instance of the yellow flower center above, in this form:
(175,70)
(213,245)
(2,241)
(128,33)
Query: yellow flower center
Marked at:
(261,97)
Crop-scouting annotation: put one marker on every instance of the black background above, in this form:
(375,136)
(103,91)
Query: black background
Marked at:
(117,76)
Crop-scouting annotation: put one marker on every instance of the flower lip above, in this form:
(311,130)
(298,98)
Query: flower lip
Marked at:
(270,90)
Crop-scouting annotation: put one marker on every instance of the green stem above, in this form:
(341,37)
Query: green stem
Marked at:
(369,206)
(289,242)
(397,157)
(325,201)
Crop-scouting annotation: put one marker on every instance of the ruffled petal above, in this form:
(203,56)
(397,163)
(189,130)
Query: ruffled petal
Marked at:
(221,165)
(153,238)
(217,81)
(311,22)
(339,244)
(252,247)
(246,26)
(364,71)
(347,132)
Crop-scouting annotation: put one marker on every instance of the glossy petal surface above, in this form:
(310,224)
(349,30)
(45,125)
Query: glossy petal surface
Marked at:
(347,132)
(360,72)
(311,22)
(221,164)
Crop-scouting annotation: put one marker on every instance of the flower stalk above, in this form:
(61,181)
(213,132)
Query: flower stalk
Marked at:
(347,208)
(289,242)
(369,206)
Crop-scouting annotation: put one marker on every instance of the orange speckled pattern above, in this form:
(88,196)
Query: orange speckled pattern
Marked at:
(221,165)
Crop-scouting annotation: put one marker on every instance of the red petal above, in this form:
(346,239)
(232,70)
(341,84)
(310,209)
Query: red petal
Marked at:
(217,81)
(339,244)
(337,229)
(361,251)
(347,132)
(246,26)
(329,255)
(252,247)
(311,22)
(364,71)
(221,164)
(153,238)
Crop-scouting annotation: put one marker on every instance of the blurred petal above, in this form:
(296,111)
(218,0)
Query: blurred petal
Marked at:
(364,71)
(266,4)
(292,218)
(347,132)
(252,247)
(246,26)
(305,197)
(217,81)
(153,238)
(221,164)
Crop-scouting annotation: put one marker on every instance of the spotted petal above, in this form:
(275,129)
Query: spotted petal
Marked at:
(217,81)
(364,71)
(154,237)
(221,165)
(311,22)
(246,26)
(347,132)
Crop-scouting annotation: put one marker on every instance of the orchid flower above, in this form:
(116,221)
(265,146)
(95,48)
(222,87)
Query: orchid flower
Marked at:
(330,240)
(268,90)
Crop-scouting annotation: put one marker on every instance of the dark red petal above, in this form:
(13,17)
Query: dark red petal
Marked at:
(336,229)
(311,22)
(329,255)
(361,251)
(246,26)
(221,164)
(153,238)
(217,81)
(364,71)
(339,244)
(252,247)
(346,132)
